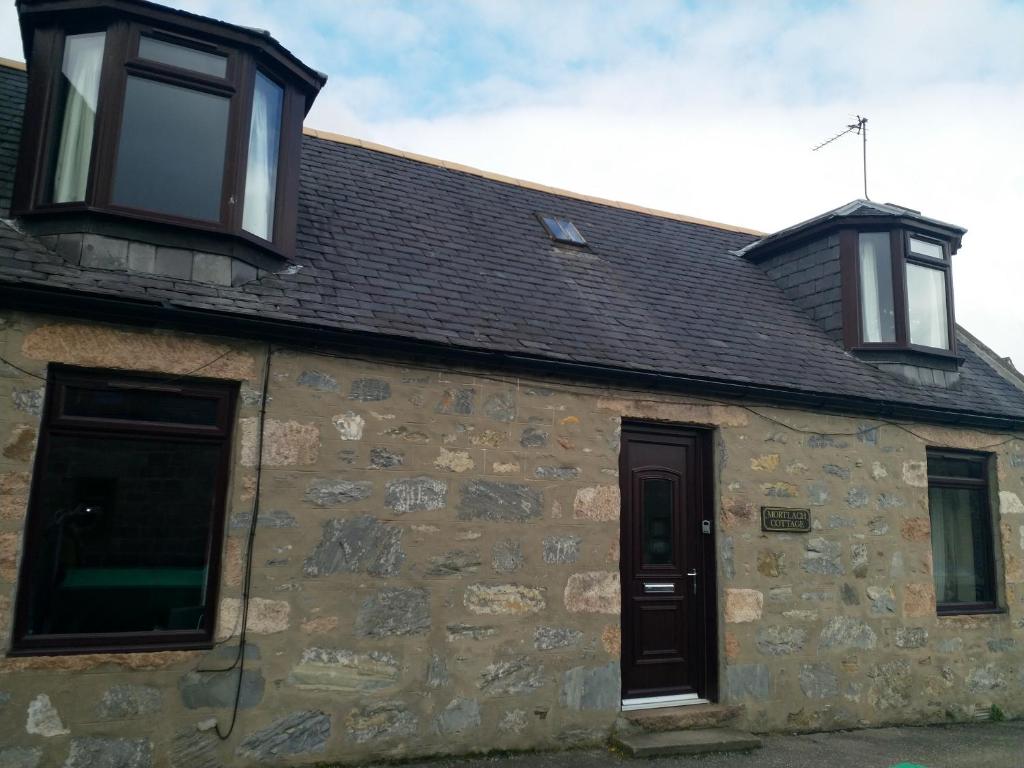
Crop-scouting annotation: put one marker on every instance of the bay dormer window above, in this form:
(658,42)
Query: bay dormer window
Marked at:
(877,278)
(148,115)
(901,291)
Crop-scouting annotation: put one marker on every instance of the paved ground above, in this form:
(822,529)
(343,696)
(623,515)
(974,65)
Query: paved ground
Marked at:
(985,745)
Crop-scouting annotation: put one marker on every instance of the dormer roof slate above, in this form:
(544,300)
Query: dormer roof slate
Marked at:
(850,213)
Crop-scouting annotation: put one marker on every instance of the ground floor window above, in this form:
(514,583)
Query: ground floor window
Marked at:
(124,530)
(963,559)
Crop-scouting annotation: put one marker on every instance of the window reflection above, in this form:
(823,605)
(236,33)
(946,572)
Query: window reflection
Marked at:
(170,156)
(126,527)
(657,521)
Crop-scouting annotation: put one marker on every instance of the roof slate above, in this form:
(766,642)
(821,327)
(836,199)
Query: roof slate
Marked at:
(394,246)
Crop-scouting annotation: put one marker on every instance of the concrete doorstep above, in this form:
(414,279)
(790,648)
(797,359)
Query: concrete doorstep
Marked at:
(693,741)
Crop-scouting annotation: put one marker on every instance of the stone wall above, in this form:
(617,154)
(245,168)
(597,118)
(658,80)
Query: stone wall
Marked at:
(435,568)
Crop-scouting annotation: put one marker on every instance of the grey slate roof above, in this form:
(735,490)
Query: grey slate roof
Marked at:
(13,85)
(398,247)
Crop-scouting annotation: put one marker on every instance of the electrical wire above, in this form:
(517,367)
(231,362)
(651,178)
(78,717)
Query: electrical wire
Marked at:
(239,661)
(644,396)
(19,368)
(649,397)
(163,380)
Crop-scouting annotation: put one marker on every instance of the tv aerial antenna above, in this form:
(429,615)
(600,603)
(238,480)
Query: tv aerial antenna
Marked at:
(861,129)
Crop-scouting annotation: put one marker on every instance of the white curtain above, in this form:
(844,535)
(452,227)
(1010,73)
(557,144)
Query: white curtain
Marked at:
(926,289)
(83,58)
(870,291)
(261,167)
(953,545)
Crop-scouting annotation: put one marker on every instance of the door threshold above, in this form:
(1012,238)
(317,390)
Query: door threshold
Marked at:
(657,702)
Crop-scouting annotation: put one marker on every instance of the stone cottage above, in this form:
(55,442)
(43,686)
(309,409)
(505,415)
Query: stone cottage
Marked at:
(314,450)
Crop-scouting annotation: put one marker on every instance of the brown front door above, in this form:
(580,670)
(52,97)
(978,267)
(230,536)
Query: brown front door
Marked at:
(667,563)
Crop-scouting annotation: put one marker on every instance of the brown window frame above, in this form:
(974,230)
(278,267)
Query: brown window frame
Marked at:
(56,422)
(899,246)
(121,59)
(984,483)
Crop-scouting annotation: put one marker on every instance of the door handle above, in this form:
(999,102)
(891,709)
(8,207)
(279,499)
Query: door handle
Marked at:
(692,573)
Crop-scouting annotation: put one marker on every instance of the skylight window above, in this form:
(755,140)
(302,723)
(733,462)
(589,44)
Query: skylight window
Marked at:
(562,230)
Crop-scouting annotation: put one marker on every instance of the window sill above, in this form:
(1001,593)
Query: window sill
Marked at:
(111,649)
(72,218)
(969,610)
(912,355)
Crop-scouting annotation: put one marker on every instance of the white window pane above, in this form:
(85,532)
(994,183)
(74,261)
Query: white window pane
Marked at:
(878,313)
(925,248)
(261,166)
(80,82)
(927,318)
(182,56)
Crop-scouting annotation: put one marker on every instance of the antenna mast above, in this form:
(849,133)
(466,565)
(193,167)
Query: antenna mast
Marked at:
(861,128)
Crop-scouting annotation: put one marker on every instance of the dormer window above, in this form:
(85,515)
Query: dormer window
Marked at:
(903,289)
(876,277)
(146,114)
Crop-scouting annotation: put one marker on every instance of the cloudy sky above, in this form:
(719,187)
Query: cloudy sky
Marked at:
(703,108)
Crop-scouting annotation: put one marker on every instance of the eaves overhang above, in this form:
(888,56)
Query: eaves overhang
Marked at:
(859,214)
(32,13)
(165,314)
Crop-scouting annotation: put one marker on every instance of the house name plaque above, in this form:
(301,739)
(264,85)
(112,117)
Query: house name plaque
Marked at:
(781,520)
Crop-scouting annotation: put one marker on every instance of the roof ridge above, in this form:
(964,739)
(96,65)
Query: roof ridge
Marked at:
(12,64)
(1003,366)
(453,166)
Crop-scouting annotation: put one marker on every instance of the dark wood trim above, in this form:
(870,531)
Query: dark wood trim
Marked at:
(55,423)
(109,111)
(853,328)
(943,265)
(201,45)
(235,172)
(984,483)
(289,167)
(214,86)
(773,245)
(899,286)
(707,493)
(46,51)
(701,490)
(38,12)
(943,244)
